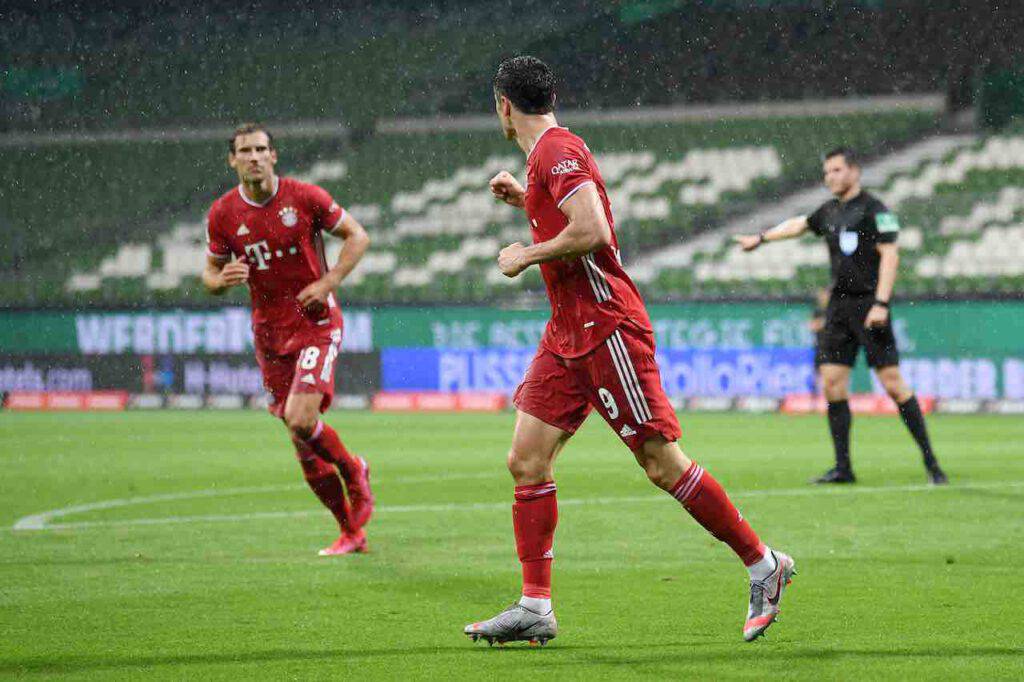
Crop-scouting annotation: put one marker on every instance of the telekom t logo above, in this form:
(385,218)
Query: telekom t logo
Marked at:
(260,253)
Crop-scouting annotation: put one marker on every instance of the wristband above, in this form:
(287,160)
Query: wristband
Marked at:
(884,304)
(760,238)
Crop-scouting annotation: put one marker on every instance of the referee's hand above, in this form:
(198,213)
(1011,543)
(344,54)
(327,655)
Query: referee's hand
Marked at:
(748,242)
(878,316)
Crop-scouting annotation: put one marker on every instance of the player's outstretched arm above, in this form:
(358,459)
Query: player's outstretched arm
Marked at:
(787,229)
(586,232)
(356,243)
(220,275)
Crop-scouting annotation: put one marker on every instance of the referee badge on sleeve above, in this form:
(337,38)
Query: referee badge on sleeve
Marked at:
(848,242)
(886,222)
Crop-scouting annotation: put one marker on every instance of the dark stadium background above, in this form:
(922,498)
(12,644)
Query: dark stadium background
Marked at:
(114,116)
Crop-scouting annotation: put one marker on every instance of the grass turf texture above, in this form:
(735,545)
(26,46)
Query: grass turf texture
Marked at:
(893,580)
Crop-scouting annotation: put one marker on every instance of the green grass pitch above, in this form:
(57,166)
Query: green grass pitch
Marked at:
(209,569)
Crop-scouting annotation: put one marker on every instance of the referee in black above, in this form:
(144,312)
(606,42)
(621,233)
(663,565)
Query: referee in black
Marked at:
(861,236)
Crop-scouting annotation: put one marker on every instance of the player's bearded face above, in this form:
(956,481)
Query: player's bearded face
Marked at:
(839,175)
(253,158)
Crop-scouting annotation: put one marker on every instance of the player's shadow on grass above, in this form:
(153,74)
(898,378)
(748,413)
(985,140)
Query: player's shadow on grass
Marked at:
(564,654)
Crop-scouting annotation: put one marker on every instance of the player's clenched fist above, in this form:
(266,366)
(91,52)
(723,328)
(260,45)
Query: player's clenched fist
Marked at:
(504,186)
(512,259)
(314,296)
(234,273)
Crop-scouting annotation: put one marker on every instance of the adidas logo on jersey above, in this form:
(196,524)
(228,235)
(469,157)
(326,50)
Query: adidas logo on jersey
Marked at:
(566,166)
(308,379)
(626,431)
(242,230)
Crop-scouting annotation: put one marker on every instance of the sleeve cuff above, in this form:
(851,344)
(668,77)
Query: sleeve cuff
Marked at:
(338,224)
(575,189)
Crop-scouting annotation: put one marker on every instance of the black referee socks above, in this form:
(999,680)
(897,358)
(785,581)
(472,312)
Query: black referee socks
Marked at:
(839,424)
(910,411)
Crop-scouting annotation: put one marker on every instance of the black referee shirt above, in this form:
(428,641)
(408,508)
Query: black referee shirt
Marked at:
(852,230)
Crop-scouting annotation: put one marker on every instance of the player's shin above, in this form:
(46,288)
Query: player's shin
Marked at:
(327,445)
(325,483)
(706,501)
(913,418)
(534,517)
(839,420)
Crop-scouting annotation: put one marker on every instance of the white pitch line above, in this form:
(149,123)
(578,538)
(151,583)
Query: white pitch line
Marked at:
(42,521)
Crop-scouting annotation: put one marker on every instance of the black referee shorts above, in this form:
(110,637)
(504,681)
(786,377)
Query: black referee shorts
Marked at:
(844,334)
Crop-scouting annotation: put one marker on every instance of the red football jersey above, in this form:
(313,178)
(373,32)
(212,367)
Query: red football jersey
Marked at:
(282,241)
(590,295)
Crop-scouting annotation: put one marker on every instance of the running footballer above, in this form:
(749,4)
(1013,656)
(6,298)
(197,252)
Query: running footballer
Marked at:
(267,233)
(597,352)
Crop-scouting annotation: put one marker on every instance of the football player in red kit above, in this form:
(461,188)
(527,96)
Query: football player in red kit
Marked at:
(268,233)
(597,352)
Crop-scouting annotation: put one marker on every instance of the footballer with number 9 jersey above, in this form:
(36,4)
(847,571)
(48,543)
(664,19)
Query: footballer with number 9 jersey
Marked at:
(597,352)
(267,233)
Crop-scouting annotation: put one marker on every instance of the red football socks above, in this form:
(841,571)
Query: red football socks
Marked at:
(706,501)
(325,483)
(328,446)
(534,517)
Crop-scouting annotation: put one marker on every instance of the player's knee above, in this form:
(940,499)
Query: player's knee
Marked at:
(834,387)
(527,468)
(896,387)
(300,423)
(662,461)
(654,470)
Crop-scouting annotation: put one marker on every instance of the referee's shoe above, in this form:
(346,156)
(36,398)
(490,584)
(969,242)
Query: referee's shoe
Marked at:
(936,476)
(836,475)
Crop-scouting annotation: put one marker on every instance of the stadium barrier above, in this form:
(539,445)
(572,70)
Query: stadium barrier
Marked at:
(435,401)
(720,351)
(438,402)
(863,403)
(92,401)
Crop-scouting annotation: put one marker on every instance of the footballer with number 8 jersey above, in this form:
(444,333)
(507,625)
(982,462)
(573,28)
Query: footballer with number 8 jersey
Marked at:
(267,233)
(597,352)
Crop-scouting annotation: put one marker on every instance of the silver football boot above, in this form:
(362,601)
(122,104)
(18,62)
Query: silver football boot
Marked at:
(515,624)
(765,596)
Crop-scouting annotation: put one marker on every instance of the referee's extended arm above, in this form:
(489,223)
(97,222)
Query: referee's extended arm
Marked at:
(787,229)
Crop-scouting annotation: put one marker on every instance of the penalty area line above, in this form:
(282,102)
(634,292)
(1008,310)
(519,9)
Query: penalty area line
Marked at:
(44,521)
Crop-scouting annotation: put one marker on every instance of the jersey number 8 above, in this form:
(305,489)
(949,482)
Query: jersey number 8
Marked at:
(309,357)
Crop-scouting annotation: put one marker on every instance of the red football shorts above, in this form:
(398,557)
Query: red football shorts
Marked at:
(310,370)
(619,378)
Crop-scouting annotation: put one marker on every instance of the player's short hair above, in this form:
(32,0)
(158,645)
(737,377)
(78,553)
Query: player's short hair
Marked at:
(248,129)
(528,83)
(851,157)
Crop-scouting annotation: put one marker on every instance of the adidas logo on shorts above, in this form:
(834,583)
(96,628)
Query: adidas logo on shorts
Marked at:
(626,431)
